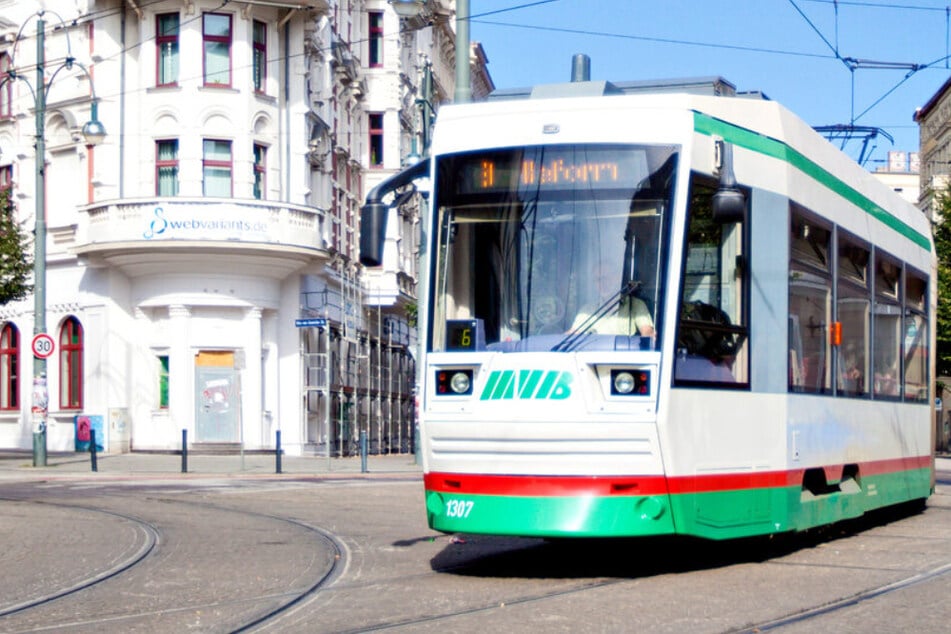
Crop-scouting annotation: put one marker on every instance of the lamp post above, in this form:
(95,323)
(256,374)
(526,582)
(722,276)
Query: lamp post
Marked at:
(94,132)
(463,92)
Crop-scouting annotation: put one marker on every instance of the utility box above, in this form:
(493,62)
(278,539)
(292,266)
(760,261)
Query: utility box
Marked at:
(119,430)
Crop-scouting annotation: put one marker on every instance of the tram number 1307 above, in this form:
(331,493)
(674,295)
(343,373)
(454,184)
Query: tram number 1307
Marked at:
(459,508)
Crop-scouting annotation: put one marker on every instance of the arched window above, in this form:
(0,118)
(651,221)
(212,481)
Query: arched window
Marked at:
(9,367)
(71,364)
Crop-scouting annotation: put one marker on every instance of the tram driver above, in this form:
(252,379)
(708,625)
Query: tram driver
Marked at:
(626,315)
(630,317)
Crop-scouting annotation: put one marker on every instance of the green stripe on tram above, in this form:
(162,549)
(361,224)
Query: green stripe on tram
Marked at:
(549,516)
(705,124)
(727,514)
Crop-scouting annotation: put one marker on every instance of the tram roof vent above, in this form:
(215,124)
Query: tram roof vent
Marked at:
(574,89)
(580,86)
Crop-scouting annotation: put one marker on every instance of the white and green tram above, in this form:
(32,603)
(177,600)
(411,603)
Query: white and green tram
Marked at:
(656,313)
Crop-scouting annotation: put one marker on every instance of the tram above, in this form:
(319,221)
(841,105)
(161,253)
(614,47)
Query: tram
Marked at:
(648,312)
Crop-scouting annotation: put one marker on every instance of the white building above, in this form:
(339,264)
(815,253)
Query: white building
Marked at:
(221,210)
(902,175)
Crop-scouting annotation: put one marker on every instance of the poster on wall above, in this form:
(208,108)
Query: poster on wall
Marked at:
(84,426)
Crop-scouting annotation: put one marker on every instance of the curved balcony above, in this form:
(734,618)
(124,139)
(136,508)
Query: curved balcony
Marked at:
(143,236)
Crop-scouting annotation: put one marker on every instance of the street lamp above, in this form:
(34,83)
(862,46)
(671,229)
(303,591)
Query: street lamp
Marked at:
(94,132)
(413,8)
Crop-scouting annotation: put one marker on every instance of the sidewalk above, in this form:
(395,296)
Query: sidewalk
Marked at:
(18,465)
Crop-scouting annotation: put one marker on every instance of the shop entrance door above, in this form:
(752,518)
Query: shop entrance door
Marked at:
(217,398)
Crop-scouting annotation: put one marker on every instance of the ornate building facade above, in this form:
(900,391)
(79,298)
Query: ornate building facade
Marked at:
(201,262)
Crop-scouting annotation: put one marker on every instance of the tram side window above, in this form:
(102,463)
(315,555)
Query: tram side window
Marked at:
(887,327)
(916,338)
(712,333)
(853,313)
(810,305)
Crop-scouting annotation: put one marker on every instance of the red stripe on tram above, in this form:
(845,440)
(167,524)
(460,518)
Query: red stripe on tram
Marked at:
(562,486)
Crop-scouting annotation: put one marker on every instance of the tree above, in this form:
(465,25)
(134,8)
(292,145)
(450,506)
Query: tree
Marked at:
(16,265)
(942,242)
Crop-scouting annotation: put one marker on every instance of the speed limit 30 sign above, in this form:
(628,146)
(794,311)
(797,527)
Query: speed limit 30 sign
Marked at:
(43,346)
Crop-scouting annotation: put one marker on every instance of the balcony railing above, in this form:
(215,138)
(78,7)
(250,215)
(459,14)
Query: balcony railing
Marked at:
(158,223)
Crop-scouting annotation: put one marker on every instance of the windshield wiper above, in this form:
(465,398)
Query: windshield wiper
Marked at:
(573,338)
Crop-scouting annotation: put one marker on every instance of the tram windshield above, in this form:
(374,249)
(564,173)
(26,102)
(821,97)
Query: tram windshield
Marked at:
(556,247)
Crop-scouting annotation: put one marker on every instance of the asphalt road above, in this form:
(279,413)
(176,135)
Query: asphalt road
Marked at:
(350,552)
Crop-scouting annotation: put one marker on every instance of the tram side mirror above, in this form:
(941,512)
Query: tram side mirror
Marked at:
(372,233)
(729,203)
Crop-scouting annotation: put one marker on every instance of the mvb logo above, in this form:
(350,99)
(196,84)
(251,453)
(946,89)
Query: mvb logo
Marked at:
(527,384)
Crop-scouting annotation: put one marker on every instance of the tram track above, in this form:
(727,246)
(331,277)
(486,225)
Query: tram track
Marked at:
(846,602)
(337,569)
(511,602)
(323,598)
(150,539)
(151,545)
(798,543)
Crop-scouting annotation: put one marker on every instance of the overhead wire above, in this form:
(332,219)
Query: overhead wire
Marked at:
(644,38)
(853,64)
(479,18)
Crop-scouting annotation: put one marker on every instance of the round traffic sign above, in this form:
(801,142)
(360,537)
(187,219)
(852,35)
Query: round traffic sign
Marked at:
(43,346)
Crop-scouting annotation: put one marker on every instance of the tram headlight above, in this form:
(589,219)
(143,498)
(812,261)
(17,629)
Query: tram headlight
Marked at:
(630,382)
(623,382)
(454,382)
(460,383)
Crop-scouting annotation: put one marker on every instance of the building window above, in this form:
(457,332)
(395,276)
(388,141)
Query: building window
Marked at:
(163,381)
(376,39)
(216,168)
(6,90)
(166,41)
(71,365)
(259,63)
(166,167)
(216,36)
(9,367)
(376,140)
(6,181)
(260,169)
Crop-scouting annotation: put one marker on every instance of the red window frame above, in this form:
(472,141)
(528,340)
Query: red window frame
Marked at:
(375,39)
(6,91)
(9,368)
(165,163)
(71,364)
(375,120)
(260,171)
(259,56)
(161,41)
(217,163)
(217,39)
(6,179)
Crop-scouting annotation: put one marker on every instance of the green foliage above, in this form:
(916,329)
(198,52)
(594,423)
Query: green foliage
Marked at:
(16,265)
(942,243)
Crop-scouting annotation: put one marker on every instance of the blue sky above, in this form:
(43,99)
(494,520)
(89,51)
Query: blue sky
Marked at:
(792,50)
